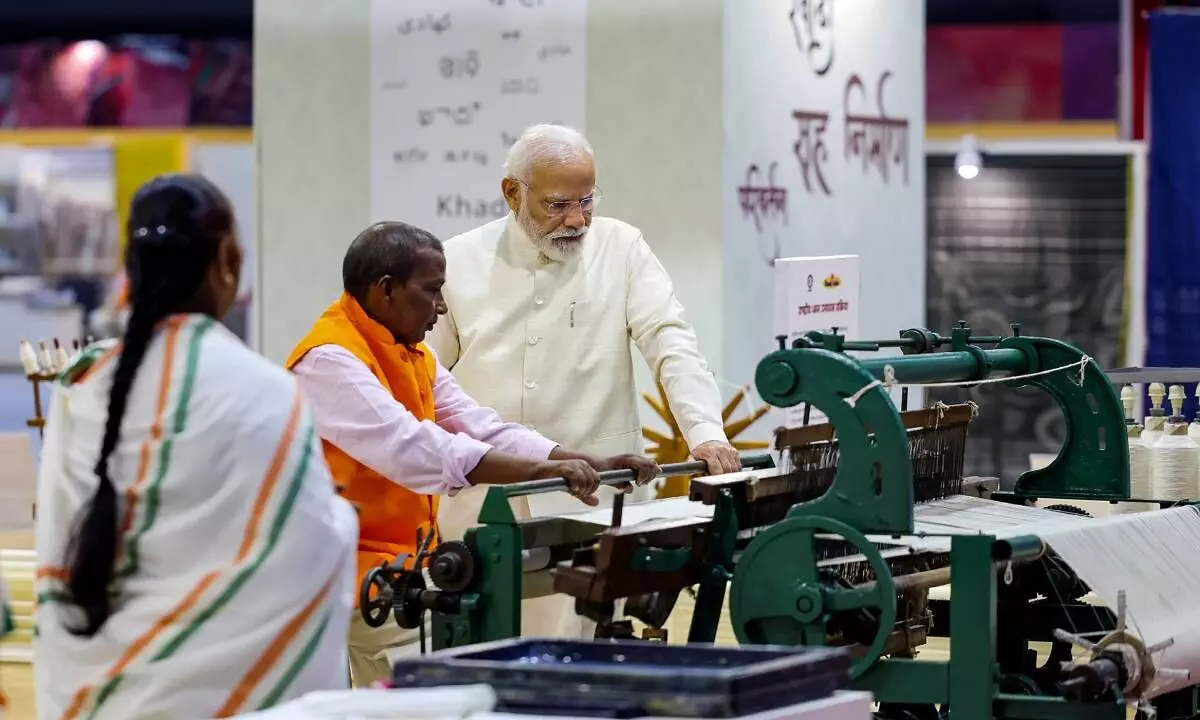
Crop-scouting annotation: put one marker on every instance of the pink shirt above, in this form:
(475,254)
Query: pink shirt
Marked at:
(353,411)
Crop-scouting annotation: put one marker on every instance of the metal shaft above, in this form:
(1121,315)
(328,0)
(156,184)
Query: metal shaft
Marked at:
(923,580)
(620,477)
(1019,549)
(951,366)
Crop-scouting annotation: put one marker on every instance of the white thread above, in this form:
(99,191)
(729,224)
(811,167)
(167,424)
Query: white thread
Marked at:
(889,376)
(1150,558)
(889,380)
(749,393)
(1140,486)
(941,409)
(1194,433)
(853,399)
(1153,430)
(1174,468)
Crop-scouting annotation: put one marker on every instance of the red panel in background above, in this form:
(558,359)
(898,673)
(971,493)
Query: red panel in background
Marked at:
(137,81)
(993,74)
(158,88)
(1140,69)
(52,86)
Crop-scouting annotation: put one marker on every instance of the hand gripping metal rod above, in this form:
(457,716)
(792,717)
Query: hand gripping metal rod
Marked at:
(620,477)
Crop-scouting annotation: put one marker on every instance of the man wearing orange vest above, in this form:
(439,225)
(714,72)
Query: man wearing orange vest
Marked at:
(396,428)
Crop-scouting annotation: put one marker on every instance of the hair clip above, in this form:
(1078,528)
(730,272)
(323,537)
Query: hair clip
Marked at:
(143,232)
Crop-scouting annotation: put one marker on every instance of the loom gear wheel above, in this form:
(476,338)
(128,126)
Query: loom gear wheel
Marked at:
(409,611)
(778,596)
(452,566)
(375,609)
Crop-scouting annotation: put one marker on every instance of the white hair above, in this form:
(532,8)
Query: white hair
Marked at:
(546,143)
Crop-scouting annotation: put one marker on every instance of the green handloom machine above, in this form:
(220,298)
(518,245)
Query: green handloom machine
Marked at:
(799,547)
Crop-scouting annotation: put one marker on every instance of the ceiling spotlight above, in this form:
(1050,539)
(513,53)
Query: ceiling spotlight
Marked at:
(968,161)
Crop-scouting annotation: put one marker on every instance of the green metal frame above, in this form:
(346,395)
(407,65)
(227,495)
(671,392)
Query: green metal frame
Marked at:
(1093,463)
(777,595)
(968,681)
(872,494)
(718,571)
(494,613)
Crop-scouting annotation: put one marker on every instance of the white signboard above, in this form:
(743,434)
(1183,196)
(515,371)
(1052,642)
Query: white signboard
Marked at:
(816,293)
(824,155)
(453,83)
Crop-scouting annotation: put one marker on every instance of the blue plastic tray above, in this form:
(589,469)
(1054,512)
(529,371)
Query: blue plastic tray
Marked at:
(628,679)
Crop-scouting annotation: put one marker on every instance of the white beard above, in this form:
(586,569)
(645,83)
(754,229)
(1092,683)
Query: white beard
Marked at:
(559,246)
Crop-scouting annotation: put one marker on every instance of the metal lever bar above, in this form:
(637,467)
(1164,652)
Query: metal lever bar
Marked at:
(620,477)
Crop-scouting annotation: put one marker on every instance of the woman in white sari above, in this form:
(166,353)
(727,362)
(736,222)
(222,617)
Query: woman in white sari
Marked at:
(194,560)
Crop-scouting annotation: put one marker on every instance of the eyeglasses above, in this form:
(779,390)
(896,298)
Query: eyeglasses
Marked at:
(558,208)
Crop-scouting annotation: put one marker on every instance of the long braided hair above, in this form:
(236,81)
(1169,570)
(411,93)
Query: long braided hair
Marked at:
(175,225)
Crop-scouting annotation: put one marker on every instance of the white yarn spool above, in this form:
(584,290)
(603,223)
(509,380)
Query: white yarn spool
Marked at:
(1174,469)
(1139,479)
(1153,430)
(1140,486)
(1194,433)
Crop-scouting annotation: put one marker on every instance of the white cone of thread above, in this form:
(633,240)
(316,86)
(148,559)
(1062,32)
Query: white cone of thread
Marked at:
(1139,478)
(1153,431)
(45,359)
(1139,459)
(1174,470)
(1139,470)
(60,357)
(29,360)
(1193,432)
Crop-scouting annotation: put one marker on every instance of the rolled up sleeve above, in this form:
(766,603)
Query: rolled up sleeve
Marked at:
(356,414)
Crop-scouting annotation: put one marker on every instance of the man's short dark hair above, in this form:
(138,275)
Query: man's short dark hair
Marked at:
(386,248)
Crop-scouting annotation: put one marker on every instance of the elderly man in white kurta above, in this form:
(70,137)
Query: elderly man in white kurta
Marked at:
(543,307)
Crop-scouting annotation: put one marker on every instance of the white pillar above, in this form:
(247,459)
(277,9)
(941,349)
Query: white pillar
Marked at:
(654,118)
(311,123)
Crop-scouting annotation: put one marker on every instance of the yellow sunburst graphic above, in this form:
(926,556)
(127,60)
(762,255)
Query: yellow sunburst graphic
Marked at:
(674,449)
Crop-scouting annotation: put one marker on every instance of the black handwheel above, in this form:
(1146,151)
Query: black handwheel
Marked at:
(375,610)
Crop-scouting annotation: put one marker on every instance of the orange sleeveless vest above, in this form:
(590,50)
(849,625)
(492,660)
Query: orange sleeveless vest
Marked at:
(389,515)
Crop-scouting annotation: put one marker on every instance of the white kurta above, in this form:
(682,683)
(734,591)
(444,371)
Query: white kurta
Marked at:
(235,576)
(548,345)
